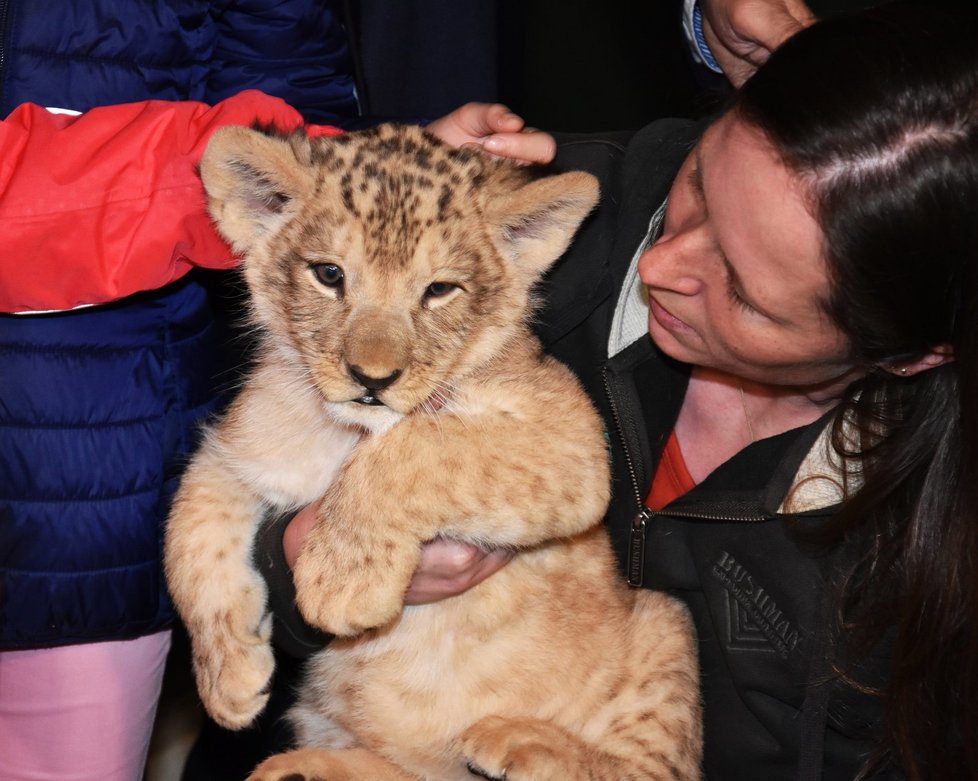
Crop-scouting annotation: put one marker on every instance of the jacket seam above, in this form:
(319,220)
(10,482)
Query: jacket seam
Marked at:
(155,488)
(132,65)
(68,426)
(96,348)
(170,191)
(79,573)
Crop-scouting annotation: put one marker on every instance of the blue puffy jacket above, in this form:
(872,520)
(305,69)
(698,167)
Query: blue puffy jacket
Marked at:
(99,406)
(82,53)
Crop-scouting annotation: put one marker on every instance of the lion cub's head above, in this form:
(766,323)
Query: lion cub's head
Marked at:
(387,264)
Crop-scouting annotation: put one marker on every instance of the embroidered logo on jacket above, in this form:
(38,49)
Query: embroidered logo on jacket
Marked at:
(754,620)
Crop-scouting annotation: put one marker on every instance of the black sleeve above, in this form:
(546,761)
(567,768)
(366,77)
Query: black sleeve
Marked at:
(290,632)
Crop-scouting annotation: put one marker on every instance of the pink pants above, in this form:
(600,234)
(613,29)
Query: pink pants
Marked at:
(80,712)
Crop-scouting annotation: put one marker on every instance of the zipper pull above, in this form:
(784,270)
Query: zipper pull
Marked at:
(636,548)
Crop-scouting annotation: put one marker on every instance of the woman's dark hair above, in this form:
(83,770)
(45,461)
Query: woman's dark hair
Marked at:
(877,112)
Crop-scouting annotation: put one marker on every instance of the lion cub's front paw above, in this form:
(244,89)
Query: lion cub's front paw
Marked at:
(348,600)
(234,672)
(517,750)
(347,589)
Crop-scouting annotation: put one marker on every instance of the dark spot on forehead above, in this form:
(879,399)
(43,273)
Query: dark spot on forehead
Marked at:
(346,192)
(444,201)
(398,182)
(323,153)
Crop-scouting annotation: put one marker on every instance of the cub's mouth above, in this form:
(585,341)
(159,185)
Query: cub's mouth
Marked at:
(369,401)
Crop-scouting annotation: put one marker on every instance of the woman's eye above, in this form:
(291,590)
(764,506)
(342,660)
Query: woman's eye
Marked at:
(439,289)
(328,274)
(737,299)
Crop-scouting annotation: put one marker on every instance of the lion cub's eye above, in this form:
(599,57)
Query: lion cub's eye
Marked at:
(328,274)
(438,290)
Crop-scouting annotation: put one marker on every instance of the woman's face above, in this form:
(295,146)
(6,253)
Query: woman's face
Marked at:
(737,280)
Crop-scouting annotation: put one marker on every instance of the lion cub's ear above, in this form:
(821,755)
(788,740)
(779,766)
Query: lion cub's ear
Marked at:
(254,181)
(537,221)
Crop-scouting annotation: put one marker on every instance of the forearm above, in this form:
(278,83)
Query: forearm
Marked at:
(102,205)
(291,632)
(499,482)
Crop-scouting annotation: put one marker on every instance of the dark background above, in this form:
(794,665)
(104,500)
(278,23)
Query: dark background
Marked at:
(564,65)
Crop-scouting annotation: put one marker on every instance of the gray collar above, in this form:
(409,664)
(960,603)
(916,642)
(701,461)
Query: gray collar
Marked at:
(631,319)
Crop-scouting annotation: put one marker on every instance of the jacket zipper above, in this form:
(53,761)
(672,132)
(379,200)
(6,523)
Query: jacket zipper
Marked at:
(638,530)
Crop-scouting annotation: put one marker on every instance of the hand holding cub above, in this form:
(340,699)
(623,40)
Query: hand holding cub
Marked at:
(447,567)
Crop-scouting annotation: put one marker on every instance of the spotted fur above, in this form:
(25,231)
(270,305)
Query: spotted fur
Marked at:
(392,279)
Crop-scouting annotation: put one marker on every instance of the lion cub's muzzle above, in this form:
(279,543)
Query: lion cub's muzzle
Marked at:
(372,383)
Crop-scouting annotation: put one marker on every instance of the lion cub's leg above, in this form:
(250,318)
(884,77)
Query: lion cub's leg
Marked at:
(649,728)
(309,764)
(219,596)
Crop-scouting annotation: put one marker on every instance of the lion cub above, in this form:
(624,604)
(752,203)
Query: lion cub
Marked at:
(392,279)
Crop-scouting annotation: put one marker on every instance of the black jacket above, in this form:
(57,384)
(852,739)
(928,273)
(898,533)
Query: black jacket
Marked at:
(761,596)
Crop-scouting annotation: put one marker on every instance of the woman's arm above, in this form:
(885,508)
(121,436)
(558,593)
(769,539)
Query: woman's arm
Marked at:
(741,34)
(497,130)
(102,205)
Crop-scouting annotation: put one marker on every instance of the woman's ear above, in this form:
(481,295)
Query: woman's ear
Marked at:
(937,356)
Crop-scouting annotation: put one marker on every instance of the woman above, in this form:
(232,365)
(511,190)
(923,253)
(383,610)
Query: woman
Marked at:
(778,322)
(799,409)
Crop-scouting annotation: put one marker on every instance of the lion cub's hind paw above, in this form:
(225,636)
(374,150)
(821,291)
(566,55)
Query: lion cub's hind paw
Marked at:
(516,750)
(310,764)
(301,765)
(475,770)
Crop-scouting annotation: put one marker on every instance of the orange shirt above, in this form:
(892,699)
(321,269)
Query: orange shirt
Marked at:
(671,478)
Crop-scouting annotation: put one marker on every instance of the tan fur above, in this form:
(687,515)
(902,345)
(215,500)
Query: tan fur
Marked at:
(550,669)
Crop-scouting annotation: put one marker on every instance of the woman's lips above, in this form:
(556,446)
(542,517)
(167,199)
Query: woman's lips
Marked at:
(665,318)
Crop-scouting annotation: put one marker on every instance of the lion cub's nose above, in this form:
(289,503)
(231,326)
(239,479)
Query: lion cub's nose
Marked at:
(373,383)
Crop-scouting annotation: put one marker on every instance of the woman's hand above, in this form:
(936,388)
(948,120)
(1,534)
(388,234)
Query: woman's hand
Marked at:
(742,34)
(497,130)
(448,567)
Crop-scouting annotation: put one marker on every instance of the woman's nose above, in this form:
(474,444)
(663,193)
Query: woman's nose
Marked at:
(670,264)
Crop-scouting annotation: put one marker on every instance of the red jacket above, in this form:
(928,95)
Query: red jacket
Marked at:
(99,206)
